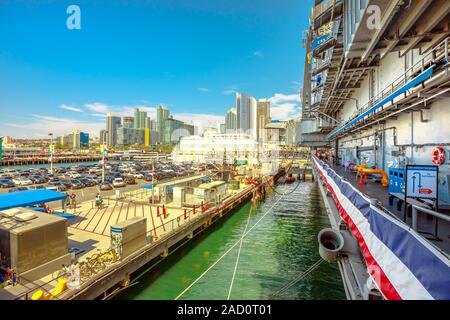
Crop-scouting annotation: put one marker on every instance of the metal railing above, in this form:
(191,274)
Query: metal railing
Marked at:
(439,54)
(416,209)
(419,67)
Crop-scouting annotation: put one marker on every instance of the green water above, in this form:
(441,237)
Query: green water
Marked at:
(281,246)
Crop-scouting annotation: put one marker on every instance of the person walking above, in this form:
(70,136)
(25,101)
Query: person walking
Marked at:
(73,200)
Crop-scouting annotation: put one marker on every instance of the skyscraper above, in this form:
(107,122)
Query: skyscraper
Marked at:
(112,124)
(128,122)
(231,121)
(246,114)
(174,130)
(103,136)
(162,114)
(140,119)
(263,118)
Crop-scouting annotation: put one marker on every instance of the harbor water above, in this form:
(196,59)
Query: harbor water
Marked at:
(281,243)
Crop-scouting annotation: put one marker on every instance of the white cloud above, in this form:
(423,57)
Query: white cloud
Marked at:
(98,107)
(40,125)
(70,108)
(258,54)
(284,107)
(229,91)
(203,89)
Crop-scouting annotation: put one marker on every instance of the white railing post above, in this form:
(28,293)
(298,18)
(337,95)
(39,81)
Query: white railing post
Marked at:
(414,218)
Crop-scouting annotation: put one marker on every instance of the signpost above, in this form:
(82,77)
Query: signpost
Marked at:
(421,183)
(103,161)
(52,151)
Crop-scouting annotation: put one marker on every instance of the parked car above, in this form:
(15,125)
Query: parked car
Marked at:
(18,189)
(21,181)
(130,180)
(148,176)
(73,174)
(57,186)
(88,182)
(118,183)
(76,184)
(52,178)
(37,179)
(37,187)
(67,183)
(6,183)
(105,186)
(137,175)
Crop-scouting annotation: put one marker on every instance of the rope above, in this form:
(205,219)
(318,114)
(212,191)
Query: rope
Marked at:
(287,193)
(239,254)
(298,278)
(228,251)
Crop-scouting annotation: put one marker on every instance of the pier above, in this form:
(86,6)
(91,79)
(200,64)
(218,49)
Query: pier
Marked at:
(167,228)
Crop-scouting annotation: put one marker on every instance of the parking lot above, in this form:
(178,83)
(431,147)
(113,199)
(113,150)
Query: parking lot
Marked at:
(85,181)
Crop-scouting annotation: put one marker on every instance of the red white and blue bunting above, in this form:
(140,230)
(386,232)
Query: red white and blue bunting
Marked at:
(402,263)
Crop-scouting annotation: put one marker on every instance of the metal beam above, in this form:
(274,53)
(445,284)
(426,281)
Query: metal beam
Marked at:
(435,41)
(414,12)
(442,8)
(392,8)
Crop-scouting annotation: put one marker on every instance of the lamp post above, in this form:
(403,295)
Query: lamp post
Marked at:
(51,152)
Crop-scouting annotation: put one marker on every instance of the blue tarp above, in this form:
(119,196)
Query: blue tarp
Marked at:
(29,198)
(147,187)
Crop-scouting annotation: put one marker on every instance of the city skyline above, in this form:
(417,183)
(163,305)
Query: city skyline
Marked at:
(74,82)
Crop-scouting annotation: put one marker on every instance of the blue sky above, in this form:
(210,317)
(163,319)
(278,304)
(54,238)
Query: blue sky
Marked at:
(188,55)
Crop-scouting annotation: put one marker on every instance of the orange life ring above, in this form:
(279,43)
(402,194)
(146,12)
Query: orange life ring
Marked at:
(438,156)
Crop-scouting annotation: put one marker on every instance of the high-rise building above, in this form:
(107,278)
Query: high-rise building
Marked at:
(130,136)
(162,114)
(103,136)
(75,140)
(221,128)
(112,124)
(174,130)
(231,121)
(263,118)
(140,119)
(128,122)
(152,125)
(246,106)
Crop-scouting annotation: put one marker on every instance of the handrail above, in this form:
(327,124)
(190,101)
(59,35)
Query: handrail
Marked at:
(416,209)
(403,79)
